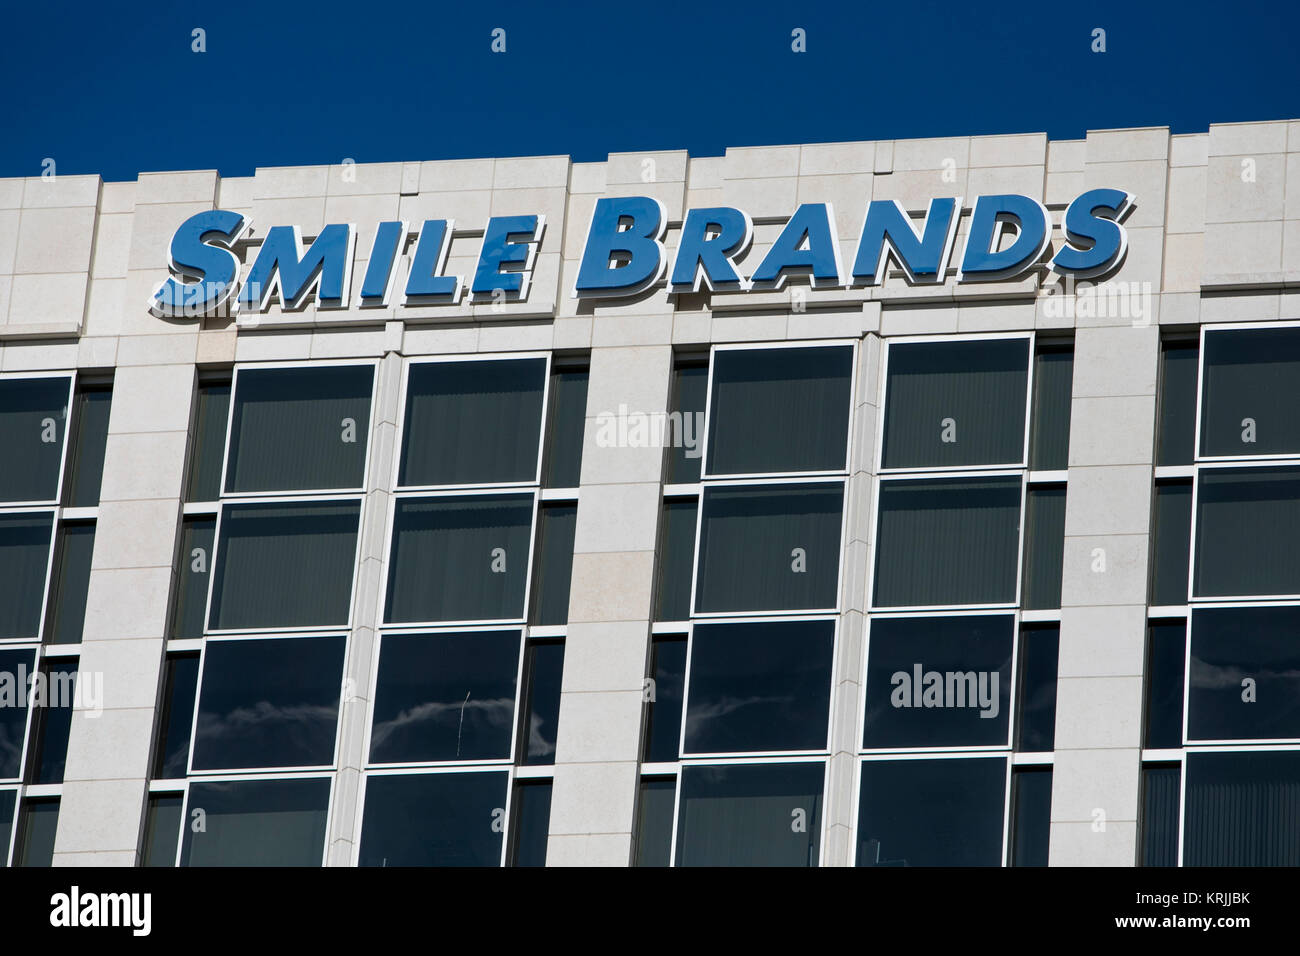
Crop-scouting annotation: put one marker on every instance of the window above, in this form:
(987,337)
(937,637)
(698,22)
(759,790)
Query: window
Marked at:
(33,419)
(951,404)
(769,547)
(932,812)
(948,542)
(736,730)
(466,711)
(1247,523)
(759,687)
(1159,822)
(1240,809)
(764,814)
(460,558)
(780,410)
(1171,529)
(445,696)
(939,681)
(1166,648)
(1244,674)
(298,428)
(963,637)
(268,703)
(37,823)
(257,822)
(433,819)
(1250,388)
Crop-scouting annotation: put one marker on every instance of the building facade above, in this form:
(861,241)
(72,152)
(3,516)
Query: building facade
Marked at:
(446,547)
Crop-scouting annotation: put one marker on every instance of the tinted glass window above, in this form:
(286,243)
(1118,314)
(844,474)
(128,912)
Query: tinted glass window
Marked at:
(16,668)
(1049,437)
(172,748)
(257,823)
(36,827)
(52,722)
(1044,547)
(759,687)
(931,812)
(70,583)
(1244,674)
(676,557)
(162,829)
(1166,650)
(472,422)
(193,567)
(690,392)
(1032,821)
(1248,522)
(768,548)
(663,721)
(956,403)
(947,542)
(296,428)
(24,560)
(545,665)
(1176,438)
(744,815)
(33,417)
(553,565)
(780,410)
(1039,652)
(459,558)
(445,697)
(208,443)
(1160,795)
(1240,809)
(1171,529)
(86,466)
(939,681)
(285,565)
(268,703)
(8,803)
(654,821)
(1251,389)
(433,819)
(568,415)
(532,818)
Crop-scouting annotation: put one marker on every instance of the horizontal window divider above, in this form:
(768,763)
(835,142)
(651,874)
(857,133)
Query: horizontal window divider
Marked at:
(957,471)
(1242,743)
(79,514)
(535,772)
(1242,600)
(38,790)
(763,755)
(670,627)
(200,509)
(547,630)
(176,786)
(1239,747)
(1155,611)
(740,617)
(1002,471)
(950,753)
(1290,458)
(1052,615)
(773,478)
(400,630)
(7,507)
(415,491)
(303,496)
(930,610)
(1034,759)
(1174,471)
(261,773)
(184,644)
(1163,755)
(559,494)
(387,771)
(60,651)
(1049,477)
(940,751)
(510,624)
(322,630)
(688,490)
(665,769)
(494,763)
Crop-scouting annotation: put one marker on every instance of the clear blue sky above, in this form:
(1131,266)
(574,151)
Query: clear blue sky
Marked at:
(114,88)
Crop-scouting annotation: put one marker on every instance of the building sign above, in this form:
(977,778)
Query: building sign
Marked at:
(624,253)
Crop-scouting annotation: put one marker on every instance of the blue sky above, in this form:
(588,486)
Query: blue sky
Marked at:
(104,91)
